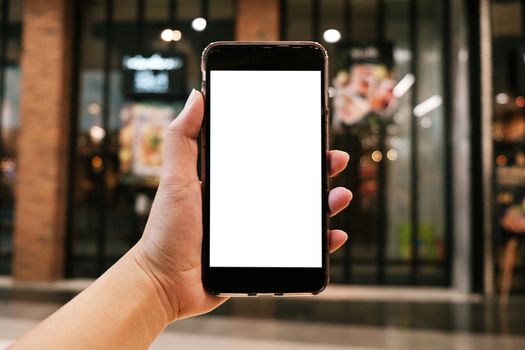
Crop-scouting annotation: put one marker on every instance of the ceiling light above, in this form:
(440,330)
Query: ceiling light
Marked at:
(502,98)
(177,35)
(166,35)
(199,24)
(331,36)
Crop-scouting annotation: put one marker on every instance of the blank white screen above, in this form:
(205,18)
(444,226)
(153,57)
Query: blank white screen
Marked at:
(265,169)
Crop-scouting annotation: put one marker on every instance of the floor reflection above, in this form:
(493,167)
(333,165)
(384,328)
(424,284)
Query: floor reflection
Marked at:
(312,323)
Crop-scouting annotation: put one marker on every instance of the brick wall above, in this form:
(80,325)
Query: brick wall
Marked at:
(257,20)
(42,170)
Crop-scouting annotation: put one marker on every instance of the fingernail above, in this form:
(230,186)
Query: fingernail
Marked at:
(191,97)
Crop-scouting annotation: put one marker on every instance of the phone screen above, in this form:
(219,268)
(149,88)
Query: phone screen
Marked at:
(266,206)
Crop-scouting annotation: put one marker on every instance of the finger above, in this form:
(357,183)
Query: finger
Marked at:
(338,199)
(180,152)
(338,161)
(336,238)
(188,122)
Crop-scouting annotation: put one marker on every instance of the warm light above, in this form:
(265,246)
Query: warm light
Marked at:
(520,101)
(364,161)
(502,98)
(426,122)
(377,156)
(428,105)
(404,85)
(97,133)
(331,36)
(177,35)
(199,24)
(501,160)
(96,163)
(171,35)
(167,35)
(391,154)
(94,108)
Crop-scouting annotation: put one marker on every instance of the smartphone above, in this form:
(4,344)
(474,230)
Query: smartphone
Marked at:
(264,168)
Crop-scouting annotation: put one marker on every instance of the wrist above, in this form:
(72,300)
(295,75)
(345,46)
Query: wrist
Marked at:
(166,303)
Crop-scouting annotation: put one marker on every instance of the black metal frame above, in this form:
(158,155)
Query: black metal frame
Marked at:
(353,181)
(73,133)
(106,88)
(382,166)
(448,92)
(381,262)
(4,37)
(414,143)
(4,26)
(475,140)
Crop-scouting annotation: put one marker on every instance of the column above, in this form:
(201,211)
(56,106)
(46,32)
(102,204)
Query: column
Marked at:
(43,140)
(257,20)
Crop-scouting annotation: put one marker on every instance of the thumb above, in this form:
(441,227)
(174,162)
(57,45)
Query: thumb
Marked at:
(189,120)
(180,154)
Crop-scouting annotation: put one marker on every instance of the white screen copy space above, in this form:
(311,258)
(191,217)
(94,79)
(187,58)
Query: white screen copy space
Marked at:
(265,169)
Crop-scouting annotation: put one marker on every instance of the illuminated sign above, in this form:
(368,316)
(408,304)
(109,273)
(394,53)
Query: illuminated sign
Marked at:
(154,76)
(155,62)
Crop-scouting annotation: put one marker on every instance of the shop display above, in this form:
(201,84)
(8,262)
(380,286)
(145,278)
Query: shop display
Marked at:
(363,84)
(142,138)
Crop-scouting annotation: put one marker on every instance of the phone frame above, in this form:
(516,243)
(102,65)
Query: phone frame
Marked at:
(252,281)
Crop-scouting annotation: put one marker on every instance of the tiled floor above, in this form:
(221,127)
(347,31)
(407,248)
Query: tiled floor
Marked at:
(315,323)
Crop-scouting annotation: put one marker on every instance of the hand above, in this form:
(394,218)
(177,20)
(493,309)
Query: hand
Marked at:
(170,249)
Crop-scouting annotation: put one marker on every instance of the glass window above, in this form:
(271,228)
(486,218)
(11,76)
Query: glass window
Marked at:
(123,111)
(508,133)
(397,163)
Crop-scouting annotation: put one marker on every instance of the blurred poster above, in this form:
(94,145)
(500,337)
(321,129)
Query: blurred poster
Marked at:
(363,84)
(142,138)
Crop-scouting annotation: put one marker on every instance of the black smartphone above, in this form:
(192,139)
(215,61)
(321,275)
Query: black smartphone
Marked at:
(264,168)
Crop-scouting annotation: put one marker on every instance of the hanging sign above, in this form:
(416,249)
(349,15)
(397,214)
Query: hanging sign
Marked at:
(154,76)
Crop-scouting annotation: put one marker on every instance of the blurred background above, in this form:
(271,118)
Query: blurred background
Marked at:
(428,100)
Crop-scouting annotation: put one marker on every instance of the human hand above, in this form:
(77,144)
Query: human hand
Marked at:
(170,248)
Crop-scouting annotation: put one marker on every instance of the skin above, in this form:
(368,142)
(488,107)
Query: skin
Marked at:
(159,280)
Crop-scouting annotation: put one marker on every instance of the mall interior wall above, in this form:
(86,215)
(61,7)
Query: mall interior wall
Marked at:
(46,112)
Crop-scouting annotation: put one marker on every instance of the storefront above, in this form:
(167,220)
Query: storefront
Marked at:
(393,63)
(111,197)
(137,62)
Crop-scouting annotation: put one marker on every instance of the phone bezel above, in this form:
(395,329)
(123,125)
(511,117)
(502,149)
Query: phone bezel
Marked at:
(237,281)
